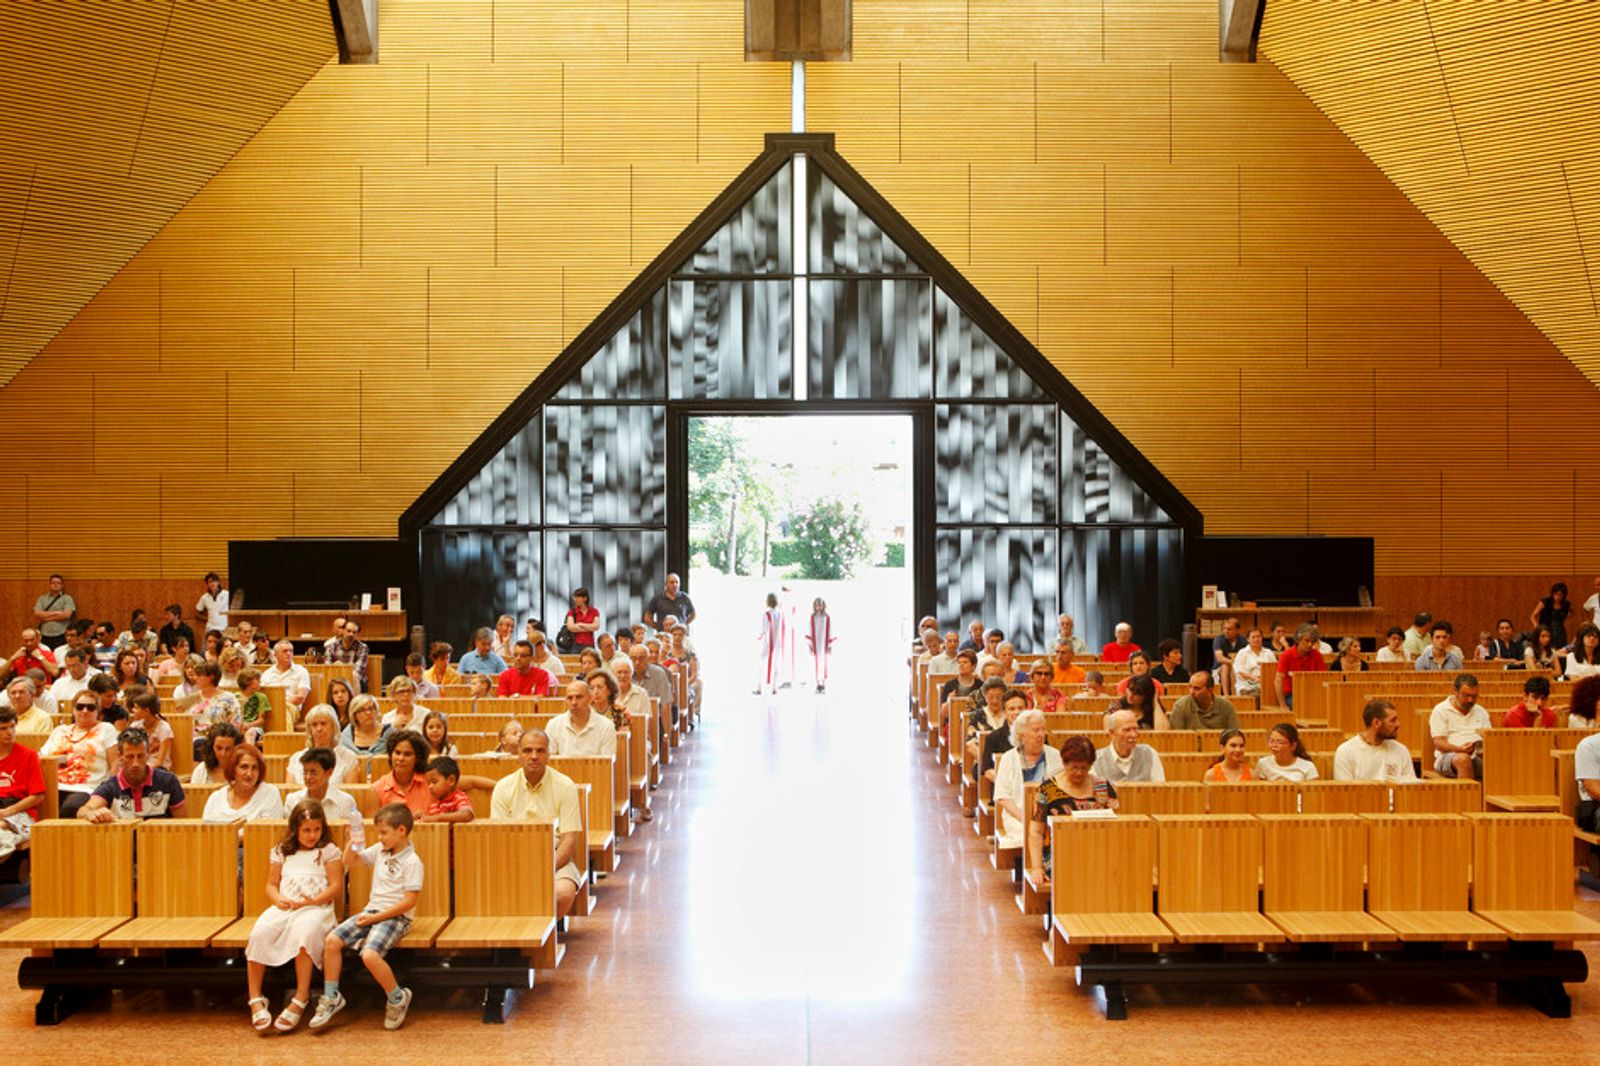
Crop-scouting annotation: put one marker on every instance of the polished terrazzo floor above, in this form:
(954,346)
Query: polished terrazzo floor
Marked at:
(808,893)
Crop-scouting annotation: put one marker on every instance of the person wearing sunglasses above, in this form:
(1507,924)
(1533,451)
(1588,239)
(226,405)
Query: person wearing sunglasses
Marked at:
(86,750)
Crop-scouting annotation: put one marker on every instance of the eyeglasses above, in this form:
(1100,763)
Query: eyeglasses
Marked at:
(86,706)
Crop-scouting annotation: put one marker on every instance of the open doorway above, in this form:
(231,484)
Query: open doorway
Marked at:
(803,507)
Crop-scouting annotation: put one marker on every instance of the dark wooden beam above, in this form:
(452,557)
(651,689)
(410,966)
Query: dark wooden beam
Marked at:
(355,26)
(787,30)
(1239,29)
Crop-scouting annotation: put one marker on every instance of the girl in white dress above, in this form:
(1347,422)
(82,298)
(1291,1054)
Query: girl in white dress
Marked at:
(304,878)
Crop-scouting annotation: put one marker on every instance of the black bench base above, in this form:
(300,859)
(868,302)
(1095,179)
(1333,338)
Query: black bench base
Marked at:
(1531,972)
(68,979)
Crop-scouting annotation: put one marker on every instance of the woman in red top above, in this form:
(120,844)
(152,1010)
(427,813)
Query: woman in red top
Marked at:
(583,619)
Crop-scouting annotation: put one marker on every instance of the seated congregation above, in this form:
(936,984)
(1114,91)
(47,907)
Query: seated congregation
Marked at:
(464,817)
(1288,738)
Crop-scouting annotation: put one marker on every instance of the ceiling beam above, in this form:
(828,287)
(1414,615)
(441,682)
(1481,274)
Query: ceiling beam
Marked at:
(355,25)
(1239,29)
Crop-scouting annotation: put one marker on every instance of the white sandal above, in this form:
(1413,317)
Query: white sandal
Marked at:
(260,1017)
(290,1016)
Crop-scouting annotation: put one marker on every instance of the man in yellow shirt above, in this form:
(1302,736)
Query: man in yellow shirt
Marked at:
(31,718)
(538,792)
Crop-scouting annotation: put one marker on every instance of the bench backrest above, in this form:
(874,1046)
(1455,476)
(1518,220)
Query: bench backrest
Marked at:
(1314,863)
(1437,794)
(1250,797)
(1517,762)
(1170,797)
(82,870)
(1418,862)
(187,869)
(1116,858)
(1209,862)
(432,841)
(505,868)
(1331,797)
(598,772)
(1522,862)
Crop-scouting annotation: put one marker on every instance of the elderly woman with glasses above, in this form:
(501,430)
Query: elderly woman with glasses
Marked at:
(322,731)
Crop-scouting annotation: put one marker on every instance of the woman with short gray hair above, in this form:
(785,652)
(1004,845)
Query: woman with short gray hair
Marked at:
(322,731)
(1030,761)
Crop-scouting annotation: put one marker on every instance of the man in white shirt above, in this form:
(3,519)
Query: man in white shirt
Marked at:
(294,679)
(505,637)
(74,679)
(1374,754)
(213,605)
(1247,663)
(944,660)
(1456,726)
(1592,604)
(578,731)
(606,645)
(1066,633)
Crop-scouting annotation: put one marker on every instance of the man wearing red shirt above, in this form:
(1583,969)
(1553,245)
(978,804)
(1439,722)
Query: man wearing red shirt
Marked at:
(1534,712)
(522,678)
(21,786)
(1119,650)
(1304,656)
(32,655)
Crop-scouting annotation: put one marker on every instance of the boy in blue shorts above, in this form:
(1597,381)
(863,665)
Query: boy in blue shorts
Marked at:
(396,884)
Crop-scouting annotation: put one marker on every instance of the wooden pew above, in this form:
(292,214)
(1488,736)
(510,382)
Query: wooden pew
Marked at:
(1169,797)
(71,908)
(1109,901)
(1437,795)
(505,890)
(1522,866)
(432,841)
(1250,797)
(1313,883)
(597,772)
(1419,869)
(1210,875)
(259,840)
(1518,774)
(188,888)
(1344,797)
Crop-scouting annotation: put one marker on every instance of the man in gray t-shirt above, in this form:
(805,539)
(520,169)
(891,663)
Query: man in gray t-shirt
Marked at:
(53,611)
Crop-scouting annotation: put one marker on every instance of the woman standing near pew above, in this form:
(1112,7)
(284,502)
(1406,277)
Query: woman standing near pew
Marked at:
(1552,611)
(1075,787)
(304,877)
(1287,759)
(1230,765)
(247,798)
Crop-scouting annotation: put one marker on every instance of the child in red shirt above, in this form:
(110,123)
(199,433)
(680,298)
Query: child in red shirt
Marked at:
(450,803)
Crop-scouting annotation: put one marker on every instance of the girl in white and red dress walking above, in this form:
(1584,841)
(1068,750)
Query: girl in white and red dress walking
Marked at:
(820,640)
(771,641)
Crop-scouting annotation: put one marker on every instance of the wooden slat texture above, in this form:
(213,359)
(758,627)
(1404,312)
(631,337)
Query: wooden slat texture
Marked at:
(1482,115)
(427,232)
(69,909)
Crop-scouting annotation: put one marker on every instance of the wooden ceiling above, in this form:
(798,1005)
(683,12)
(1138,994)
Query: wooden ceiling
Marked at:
(1487,116)
(113,113)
